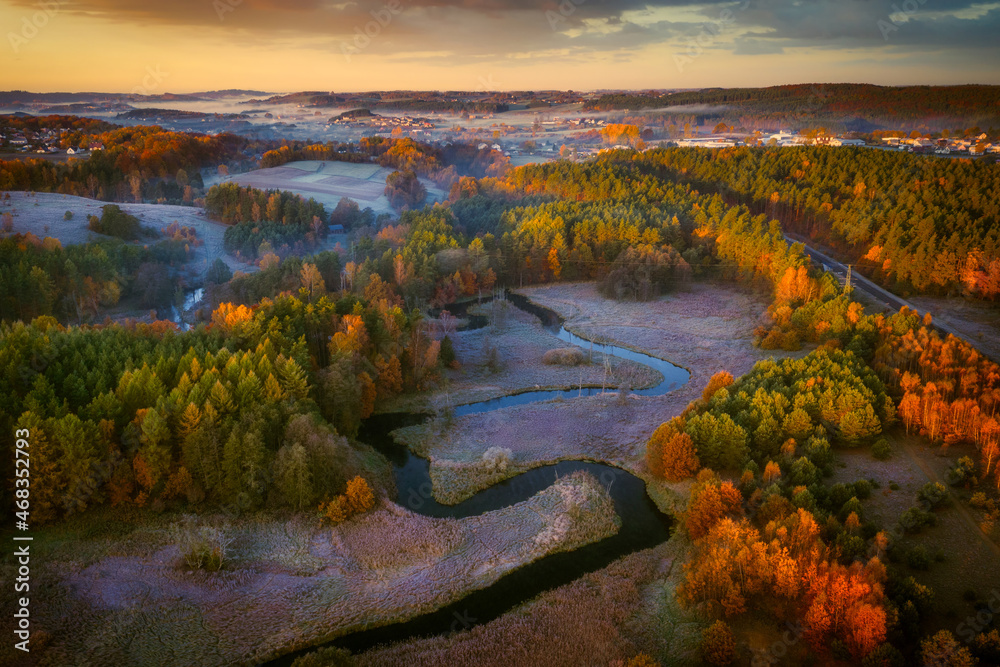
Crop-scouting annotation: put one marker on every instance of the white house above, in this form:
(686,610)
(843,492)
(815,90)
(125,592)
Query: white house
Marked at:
(836,141)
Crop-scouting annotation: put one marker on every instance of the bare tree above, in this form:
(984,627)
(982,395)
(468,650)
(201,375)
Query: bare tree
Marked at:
(135,185)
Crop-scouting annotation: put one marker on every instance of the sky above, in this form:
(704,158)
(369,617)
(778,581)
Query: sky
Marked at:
(183,46)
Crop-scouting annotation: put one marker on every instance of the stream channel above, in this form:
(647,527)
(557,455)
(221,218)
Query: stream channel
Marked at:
(643,525)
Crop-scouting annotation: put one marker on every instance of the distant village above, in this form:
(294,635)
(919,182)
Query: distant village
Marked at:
(48,141)
(545,134)
(976,145)
(364,118)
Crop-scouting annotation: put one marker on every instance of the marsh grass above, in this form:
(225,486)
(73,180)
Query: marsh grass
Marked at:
(565,356)
(394,539)
(608,615)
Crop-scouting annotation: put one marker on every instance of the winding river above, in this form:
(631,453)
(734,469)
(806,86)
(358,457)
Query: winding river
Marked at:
(643,525)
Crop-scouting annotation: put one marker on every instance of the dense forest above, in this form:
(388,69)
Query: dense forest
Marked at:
(136,413)
(911,223)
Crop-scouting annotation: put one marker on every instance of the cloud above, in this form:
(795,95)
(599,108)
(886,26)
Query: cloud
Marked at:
(564,31)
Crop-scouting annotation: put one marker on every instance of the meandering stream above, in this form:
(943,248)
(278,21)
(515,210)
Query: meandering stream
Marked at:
(643,525)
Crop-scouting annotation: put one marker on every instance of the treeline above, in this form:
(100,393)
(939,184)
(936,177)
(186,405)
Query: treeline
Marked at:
(399,153)
(231,203)
(136,164)
(444,106)
(639,234)
(911,223)
(442,165)
(257,217)
(970,104)
(332,151)
(672,232)
(273,279)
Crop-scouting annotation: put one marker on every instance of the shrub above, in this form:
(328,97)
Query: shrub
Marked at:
(492,359)
(882,450)
(334,511)
(219,272)
(934,494)
(918,558)
(115,222)
(884,655)
(717,644)
(944,649)
(914,519)
(963,470)
(201,547)
(447,353)
(497,459)
(863,489)
(68,215)
(979,500)
(565,356)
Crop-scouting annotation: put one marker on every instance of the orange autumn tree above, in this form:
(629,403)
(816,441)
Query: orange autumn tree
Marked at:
(680,460)
(356,499)
(718,646)
(796,286)
(710,501)
(229,317)
(772,471)
(359,495)
(717,382)
(670,453)
(846,602)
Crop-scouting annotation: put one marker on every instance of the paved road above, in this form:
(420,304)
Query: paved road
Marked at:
(890,300)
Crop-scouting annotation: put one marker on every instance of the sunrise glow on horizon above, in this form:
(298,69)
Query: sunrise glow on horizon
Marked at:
(198,45)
